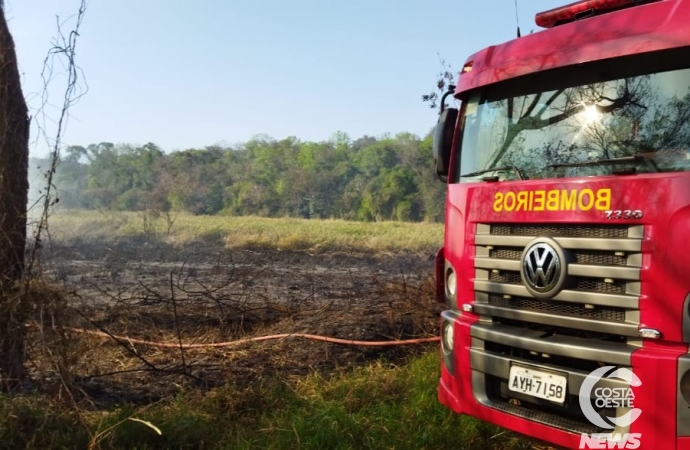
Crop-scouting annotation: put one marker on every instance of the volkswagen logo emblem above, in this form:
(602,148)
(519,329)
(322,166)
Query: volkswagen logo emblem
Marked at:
(542,269)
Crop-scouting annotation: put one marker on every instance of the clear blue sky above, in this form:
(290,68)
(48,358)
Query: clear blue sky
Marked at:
(185,74)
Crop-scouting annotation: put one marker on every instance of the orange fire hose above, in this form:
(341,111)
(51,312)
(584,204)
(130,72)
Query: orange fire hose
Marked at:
(315,337)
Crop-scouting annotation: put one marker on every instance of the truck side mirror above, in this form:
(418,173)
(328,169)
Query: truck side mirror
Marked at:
(443,141)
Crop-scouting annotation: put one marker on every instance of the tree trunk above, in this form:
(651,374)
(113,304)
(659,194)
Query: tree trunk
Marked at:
(14,186)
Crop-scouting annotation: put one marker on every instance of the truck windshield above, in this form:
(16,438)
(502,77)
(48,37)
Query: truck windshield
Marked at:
(631,125)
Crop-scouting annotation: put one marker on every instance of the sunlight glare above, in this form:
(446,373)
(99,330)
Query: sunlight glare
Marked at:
(591,114)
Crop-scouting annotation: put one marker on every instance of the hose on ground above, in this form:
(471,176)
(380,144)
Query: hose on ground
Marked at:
(314,337)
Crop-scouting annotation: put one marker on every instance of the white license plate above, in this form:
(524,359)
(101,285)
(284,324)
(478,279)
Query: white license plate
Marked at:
(536,383)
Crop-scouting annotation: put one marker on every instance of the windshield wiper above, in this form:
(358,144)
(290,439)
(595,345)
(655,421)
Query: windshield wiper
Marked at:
(495,169)
(602,162)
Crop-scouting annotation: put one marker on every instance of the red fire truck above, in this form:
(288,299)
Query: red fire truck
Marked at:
(566,260)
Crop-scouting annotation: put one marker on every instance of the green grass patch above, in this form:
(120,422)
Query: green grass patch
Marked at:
(376,406)
(310,235)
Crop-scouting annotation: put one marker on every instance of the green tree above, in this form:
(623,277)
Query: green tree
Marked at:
(364,179)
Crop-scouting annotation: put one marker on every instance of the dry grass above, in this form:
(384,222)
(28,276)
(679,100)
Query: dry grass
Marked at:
(253,232)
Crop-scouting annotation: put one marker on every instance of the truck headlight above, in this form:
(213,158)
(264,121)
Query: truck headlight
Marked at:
(448,336)
(451,283)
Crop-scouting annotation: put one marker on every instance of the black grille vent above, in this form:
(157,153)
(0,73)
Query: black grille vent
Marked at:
(560,308)
(565,230)
(544,417)
(506,253)
(592,284)
(599,257)
(506,277)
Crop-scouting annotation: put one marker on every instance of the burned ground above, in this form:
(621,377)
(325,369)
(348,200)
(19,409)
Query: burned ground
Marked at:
(204,293)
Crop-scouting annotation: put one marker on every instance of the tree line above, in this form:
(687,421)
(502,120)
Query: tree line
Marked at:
(367,179)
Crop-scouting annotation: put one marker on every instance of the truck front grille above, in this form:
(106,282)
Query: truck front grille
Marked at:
(592,321)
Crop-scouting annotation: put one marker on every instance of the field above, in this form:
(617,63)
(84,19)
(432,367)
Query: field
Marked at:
(125,298)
